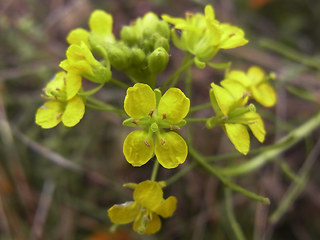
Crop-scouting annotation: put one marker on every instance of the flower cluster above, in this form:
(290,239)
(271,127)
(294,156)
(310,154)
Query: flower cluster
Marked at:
(141,53)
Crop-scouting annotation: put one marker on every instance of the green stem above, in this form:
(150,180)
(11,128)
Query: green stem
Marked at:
(290,53)
(283,144)
(99,105)
(173,79)
(217,172)
(196,119)
(231,217)
(155,170)
(180,174)
(199,107)
(298,187)
(120,84)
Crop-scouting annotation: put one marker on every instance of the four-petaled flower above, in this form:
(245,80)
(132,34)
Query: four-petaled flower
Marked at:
(255,84)
(144,210)
(203,35)
(64,104)
(233,116)
(149,110)
(81,61)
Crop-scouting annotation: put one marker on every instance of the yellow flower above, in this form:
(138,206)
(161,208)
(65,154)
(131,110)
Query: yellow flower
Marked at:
(154,113)
(81,61)
(64,104)
(254,82)
(144,210)
(234,117)
(203,36)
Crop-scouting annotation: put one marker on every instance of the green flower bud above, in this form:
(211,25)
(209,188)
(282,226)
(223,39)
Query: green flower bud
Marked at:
(138,57)
(162,42)
(129,35)
(158,60)
(163,29)
(119,56)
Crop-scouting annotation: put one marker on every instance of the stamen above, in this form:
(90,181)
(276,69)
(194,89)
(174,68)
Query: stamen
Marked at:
(162,141)
(164,115)
(174,128)
(147,143)
(224,117)
(151,112)
(231,35)
(245,94)
(135,121)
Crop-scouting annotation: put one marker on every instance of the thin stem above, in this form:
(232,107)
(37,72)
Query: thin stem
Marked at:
(297,188)
(218,173)
(173,79)
(119,83)
(99,105)
(196,119)
(199,107)
(290,53)
(155,170)
(180,174)
(269,155)
(231,217)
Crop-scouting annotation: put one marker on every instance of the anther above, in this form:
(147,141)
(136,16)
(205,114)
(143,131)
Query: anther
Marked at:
(224,117)
(174,128)
(162,141)
(164,115)
(231,35)
(135,121)
(151,112)
(245,94)
(147,143)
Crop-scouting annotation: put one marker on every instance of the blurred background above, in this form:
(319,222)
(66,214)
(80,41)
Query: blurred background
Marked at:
(58,183)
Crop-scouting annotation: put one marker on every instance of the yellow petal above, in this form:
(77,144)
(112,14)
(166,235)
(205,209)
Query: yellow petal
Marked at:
(139,101)
(148,194)
(56,86)
(255,74)
(171,149)
(73,84)
(209,12)
(49,114)
(123,213)
(264,94)
(77,36)
(167,207)
(101,22)
(73,112)
(223,98)
(138,148)
(236,89)
(232,36)
(147,225)
(239,76)
(174,104)
(238,135)
(256,125)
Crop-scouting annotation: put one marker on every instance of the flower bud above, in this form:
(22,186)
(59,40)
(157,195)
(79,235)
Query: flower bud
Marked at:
(162,42)
(129,35)
(138,57)
(119,56)
(163,29)
(158,60)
